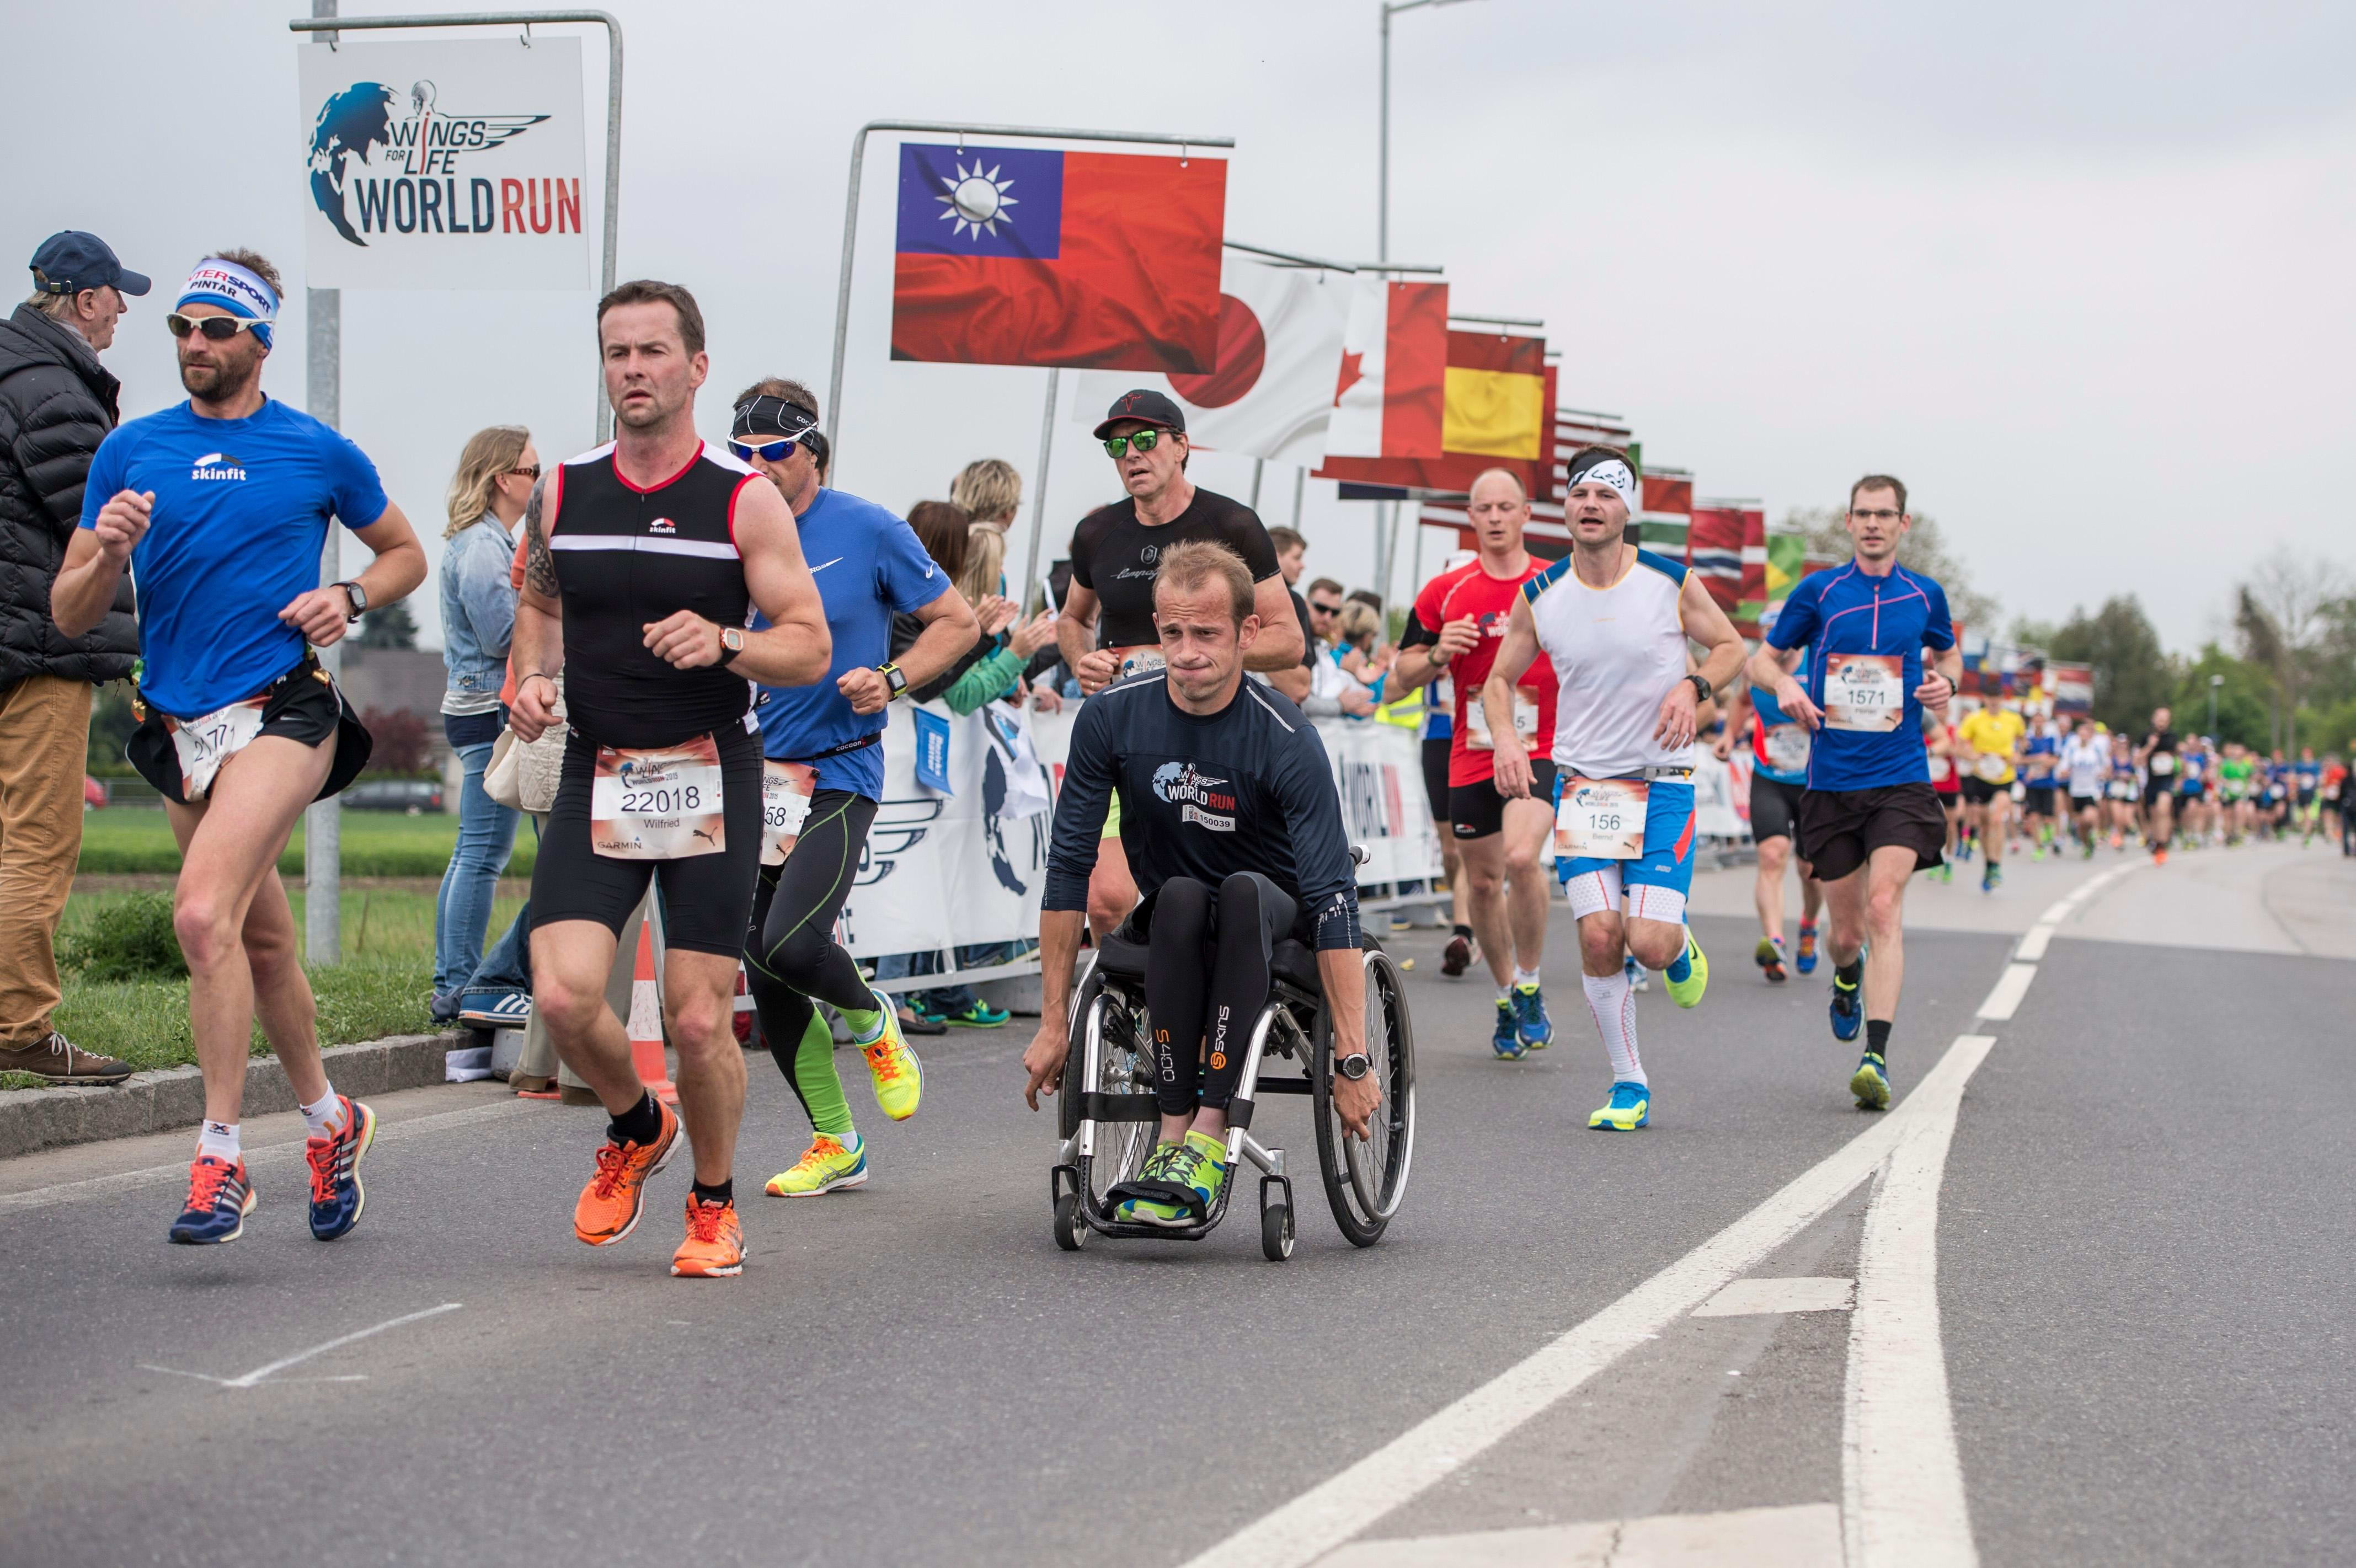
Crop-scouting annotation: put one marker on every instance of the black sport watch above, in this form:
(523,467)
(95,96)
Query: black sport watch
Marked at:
(1353,1066)
(732,642)
(1701,689)
(895,683)
(357,598)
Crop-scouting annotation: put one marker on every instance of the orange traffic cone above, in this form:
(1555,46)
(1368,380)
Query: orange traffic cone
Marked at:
(646,1022)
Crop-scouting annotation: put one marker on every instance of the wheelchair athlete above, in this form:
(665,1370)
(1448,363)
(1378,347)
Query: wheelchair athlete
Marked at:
(1234,831)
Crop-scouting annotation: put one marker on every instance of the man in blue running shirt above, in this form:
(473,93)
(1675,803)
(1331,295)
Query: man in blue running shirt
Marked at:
(1869,819)
(1779,775)
(219,508)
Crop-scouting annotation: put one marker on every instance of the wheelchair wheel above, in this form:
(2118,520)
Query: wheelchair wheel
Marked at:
(1068,1099)
(1125,1066)
(1071,1231)
(1364,1180)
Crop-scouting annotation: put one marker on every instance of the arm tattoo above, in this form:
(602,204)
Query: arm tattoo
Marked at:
(538,562)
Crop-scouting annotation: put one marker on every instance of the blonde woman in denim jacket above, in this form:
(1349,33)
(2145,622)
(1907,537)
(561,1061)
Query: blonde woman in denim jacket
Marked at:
(495,476)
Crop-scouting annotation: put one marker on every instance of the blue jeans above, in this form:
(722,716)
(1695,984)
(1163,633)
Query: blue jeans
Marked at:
(463,911)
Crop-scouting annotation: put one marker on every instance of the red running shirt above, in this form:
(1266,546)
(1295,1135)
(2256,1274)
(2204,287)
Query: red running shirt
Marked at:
(1469,590)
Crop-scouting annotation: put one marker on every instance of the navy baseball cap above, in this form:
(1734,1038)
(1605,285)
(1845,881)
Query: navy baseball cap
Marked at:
(1146,407)
(70,262)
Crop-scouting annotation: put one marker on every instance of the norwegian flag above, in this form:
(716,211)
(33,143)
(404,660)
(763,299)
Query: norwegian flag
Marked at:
(1728,546)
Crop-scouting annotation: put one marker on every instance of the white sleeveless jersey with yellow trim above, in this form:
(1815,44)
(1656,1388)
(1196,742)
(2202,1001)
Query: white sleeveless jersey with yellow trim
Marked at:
(1617,650)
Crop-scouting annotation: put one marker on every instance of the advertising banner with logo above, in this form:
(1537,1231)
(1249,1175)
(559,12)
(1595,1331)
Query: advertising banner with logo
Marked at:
(966,867)
(450,163)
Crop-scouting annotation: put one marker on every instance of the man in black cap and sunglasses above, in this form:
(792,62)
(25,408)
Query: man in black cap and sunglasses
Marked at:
(56,403)
(1107,631)
(823,775)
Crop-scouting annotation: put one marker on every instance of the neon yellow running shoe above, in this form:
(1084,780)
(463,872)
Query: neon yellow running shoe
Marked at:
(1870,1084)
(1200,1163)
(1686,993)
(892,1064)
(827,1166)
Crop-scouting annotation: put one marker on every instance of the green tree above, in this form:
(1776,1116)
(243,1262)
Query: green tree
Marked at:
(2132,673)
(111,723)
(2243,693)
(389,627)
(1925,549)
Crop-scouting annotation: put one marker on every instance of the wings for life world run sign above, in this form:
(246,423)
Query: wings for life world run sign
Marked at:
(445,165)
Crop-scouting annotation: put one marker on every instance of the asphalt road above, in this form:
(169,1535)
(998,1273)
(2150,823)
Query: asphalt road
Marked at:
(2131,1319)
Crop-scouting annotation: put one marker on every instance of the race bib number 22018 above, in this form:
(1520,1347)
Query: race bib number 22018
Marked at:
(657,803)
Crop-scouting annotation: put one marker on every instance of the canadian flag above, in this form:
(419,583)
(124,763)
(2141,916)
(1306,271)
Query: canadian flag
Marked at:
(1271,389)
(1390,399)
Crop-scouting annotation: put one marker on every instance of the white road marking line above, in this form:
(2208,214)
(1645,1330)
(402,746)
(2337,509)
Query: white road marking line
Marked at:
(254,1377)
(1902,1480)
(2004,999)
(2068,905)
(1807,1536)
(2060,911)
(2032,946)
(256,1159)
(1752,1297)
(1343,1505)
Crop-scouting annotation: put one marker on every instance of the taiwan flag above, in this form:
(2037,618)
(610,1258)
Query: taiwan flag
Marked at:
(1016,256)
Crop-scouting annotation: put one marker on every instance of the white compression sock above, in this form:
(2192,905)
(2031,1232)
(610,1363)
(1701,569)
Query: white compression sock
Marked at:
(1525,977)
(217,1139)
(1614,1005)
(324,1115)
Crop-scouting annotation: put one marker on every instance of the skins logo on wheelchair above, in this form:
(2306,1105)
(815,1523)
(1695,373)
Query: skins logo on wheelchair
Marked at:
(1110,1115)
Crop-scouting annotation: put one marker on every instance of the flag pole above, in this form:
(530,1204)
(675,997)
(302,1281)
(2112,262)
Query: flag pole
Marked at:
(1301,484)
(1039,489)
(1257,464)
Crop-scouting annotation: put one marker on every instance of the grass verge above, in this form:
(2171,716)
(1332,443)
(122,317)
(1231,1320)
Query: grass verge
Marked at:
(121,841)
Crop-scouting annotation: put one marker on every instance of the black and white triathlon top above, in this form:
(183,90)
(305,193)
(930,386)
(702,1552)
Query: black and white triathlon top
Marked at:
(626,557)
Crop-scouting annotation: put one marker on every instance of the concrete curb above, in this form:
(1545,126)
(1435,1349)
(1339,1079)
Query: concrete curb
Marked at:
(36,1119)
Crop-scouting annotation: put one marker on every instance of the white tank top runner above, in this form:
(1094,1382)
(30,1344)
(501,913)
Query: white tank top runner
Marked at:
(1618,651)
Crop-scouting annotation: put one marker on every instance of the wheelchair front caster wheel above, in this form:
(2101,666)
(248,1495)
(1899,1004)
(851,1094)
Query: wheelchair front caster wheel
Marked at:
(1275,1232)
(1071,1231)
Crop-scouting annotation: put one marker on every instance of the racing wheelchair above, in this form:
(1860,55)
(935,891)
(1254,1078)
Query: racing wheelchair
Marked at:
(1109,1114)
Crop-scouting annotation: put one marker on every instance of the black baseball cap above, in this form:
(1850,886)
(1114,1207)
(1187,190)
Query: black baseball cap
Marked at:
(70,261)
(1145,408)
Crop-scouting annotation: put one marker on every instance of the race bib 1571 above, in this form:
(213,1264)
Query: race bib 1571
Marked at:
(1864,691)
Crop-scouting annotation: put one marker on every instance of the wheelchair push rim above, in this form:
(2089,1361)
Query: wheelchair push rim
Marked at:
(1366,1180)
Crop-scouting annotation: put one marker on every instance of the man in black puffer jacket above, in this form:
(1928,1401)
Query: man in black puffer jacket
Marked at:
(56,403)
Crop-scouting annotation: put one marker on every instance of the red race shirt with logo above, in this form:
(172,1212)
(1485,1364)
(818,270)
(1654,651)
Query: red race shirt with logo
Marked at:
(1469,590)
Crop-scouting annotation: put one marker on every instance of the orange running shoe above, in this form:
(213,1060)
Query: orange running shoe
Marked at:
(610,1205)
(715,1248)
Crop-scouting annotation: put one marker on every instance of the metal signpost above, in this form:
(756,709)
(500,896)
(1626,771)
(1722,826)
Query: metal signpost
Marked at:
(323,392)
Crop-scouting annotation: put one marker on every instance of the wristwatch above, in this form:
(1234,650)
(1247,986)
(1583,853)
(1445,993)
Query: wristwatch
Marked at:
(358,597)
(732,642)
(1701,689)
(1353,1067)
(894,682)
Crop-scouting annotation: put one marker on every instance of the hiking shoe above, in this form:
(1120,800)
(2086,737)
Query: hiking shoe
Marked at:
(62,1061)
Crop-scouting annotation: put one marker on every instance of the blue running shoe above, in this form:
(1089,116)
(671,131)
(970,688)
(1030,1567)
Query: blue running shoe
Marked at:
(1804,960)
(1639,977)
(1870,1084)
(1848,1009)
(218,1201)
(1507,1041)
(336,1196)
(1530,1020)
(1631,1107)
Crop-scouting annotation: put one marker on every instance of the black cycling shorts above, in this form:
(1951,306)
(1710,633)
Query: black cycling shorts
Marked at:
(1206,979)
(1435,775)
(304,706)
(705,898)
(1477,810)
(1774,807)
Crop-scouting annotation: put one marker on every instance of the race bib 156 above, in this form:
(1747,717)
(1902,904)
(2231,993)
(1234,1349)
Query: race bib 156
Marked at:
(1601,819)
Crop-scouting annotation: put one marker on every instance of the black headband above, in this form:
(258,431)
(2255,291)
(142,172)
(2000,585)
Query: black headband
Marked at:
(765,415)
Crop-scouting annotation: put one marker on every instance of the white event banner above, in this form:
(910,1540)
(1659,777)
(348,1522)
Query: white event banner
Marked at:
(449,164)
(945,871)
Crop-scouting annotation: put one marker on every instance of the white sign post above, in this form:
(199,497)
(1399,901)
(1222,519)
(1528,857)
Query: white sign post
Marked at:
(445,164)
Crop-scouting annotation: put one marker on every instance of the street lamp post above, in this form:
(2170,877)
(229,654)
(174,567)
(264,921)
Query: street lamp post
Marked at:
(1382,229)
(2214,682)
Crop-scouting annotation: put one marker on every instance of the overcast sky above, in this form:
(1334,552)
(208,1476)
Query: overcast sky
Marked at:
(2065,267)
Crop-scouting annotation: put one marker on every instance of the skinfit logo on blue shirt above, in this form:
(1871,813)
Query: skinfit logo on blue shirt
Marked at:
(218,465)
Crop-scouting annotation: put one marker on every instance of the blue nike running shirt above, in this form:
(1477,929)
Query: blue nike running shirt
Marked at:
(240,516)
(868,564)
(1770,713)
(1847,612)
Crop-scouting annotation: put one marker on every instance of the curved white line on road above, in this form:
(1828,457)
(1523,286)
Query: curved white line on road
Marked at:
(250,1380)
(1346,1504)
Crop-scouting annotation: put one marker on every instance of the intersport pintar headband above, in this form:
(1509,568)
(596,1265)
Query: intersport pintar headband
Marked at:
(237,289)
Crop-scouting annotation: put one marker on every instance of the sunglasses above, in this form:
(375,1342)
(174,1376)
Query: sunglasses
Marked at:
(531,472)
(1317,608)
(216,328)
(1142,441)
(767,451)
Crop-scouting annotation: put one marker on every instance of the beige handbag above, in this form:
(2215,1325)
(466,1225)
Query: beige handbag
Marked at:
(523,775)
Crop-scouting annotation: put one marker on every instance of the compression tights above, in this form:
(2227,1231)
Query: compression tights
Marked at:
(792,956)
(1228,932)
